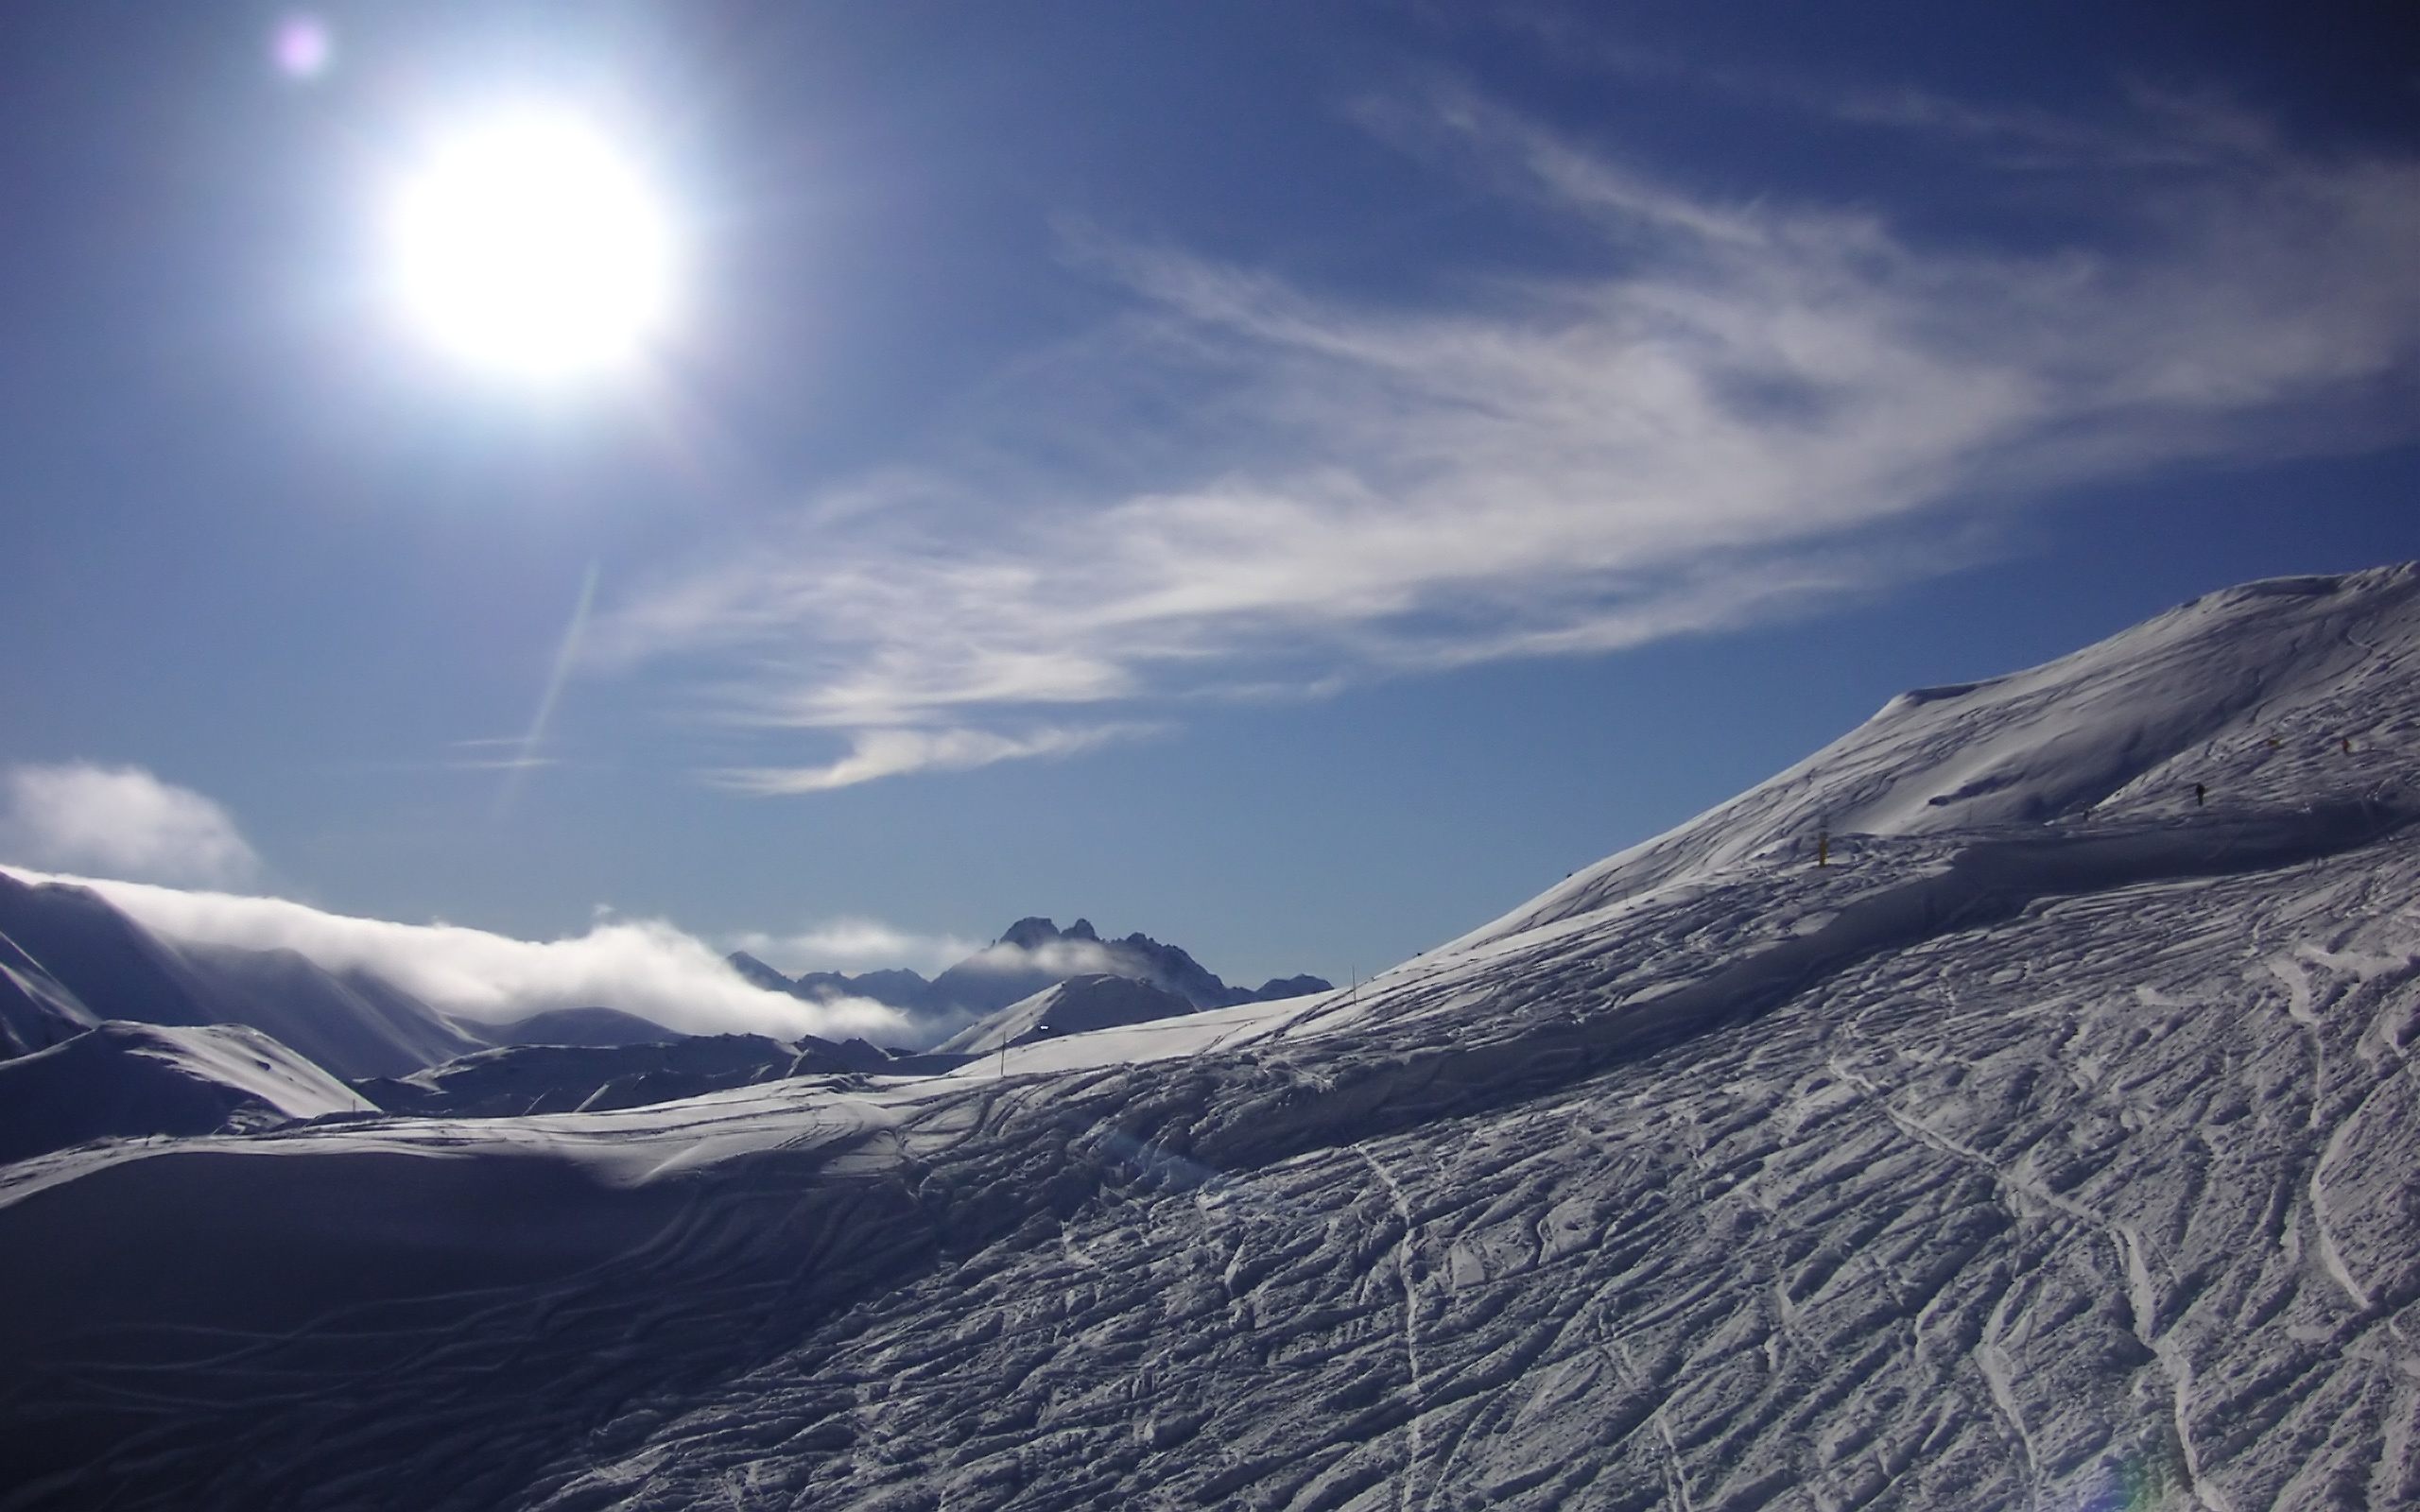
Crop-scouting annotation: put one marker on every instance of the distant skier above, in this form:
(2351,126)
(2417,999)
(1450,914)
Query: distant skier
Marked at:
(2199,795)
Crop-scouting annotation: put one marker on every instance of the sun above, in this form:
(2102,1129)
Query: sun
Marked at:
(527,245)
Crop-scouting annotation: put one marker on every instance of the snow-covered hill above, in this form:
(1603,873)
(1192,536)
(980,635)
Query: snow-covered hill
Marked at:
(2050,1147)
(597,1027)
(543,1079)
(1077,1005)
(36,1008)
(130,1080)
(2262,694)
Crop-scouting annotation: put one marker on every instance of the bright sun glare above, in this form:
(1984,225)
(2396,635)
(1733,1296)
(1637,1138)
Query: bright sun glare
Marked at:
(529,246)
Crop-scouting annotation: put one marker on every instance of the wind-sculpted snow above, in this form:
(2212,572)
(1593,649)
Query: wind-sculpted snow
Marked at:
(2023,1164)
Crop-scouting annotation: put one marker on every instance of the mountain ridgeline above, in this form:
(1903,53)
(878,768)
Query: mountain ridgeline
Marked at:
(1033,954)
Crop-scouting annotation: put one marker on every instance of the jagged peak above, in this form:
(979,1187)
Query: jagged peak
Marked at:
(757,972)
(1028,934)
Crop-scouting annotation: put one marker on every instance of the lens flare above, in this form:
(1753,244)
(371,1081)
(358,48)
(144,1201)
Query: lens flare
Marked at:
(301,47)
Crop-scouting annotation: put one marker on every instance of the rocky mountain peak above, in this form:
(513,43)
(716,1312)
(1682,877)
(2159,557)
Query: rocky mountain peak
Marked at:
(1031,934)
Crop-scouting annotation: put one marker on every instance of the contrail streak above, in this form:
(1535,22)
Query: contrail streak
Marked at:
(565,653)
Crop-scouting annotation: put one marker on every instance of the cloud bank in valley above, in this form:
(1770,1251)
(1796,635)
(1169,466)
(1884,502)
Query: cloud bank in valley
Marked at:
(134,838)
(645,967)
(851,945)
(121,821)
(1752,408)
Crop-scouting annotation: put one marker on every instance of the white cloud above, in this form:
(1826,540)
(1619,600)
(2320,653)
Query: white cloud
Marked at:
(120,821)
(645,967)
(1752,407)
(1058,957)
(852,945)
(879,753)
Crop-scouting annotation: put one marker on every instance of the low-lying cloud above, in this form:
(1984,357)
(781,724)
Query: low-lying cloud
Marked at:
(121,821)
(1054,958)
(645,967)
(1752,407)
(852,945)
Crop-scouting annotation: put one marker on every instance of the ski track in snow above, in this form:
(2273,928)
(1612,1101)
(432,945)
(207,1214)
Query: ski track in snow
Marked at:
(2010,1166)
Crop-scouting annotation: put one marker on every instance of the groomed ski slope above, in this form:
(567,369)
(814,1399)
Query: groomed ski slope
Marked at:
(2057,1146)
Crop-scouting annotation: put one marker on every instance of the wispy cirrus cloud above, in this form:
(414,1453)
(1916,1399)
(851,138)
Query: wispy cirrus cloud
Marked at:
(1752,407)
(120,821)
(874,755)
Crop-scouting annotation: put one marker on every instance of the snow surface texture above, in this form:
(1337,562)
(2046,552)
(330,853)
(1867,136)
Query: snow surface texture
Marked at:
(2053,1147)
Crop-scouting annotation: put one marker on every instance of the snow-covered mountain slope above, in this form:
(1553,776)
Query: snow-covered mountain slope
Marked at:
(2050,1158)
(352,1025)
(579,1026)
(36,1008)
(355,1024)
(126,1080)
(2240,691)
(543,1079)
(113,965)
(1036,953)
(1077,1006)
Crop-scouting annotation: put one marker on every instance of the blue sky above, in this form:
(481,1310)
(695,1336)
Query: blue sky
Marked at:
(1294,480)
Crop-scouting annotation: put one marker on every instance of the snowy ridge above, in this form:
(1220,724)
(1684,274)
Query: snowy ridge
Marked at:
(554,1078)
(2135,721)
(2056,1157)
(36,1008)
(1077,1005)
(130,1080)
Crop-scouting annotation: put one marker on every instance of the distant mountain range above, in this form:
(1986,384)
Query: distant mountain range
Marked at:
(110,1029)
(1031,956)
